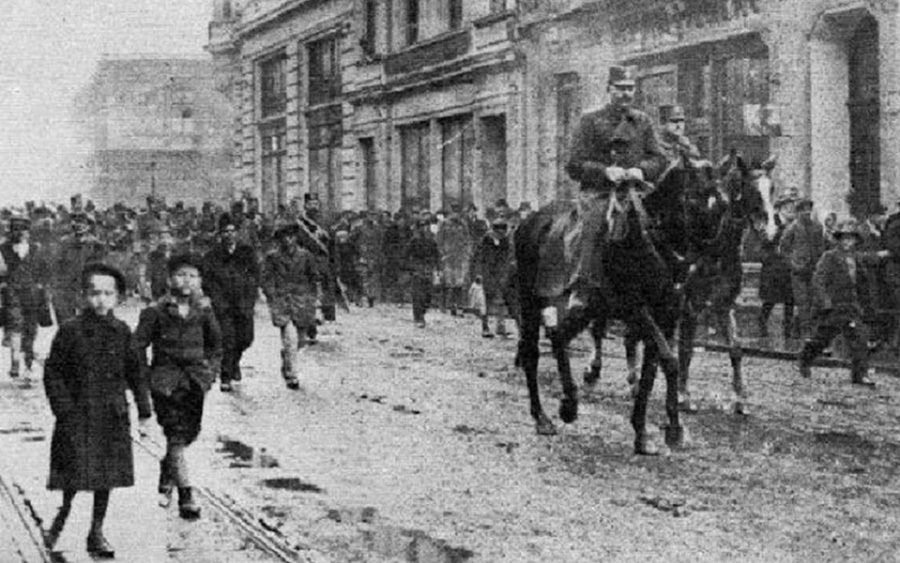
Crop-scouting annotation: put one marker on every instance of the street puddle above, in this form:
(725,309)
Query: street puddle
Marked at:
(292,484)
(413,546)
(242,455)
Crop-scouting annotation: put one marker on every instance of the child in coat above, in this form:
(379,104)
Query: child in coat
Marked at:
(186,340)
(91,364)
(839,286)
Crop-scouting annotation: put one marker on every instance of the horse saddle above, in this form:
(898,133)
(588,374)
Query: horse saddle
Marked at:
(559,252)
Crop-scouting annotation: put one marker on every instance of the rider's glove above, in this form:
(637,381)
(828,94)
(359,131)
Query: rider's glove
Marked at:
(615,174)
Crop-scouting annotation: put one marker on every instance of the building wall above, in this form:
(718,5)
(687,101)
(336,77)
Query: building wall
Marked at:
(157,125)
(543,64)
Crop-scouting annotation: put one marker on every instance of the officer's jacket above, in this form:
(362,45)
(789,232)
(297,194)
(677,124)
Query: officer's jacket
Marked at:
(593,144)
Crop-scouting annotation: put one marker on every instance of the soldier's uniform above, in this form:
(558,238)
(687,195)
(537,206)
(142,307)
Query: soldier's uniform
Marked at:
(612,136)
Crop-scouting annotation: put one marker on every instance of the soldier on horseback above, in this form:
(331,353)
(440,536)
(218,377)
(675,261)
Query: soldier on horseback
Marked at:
(614,144)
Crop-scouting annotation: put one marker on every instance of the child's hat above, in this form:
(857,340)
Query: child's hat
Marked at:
(848,227)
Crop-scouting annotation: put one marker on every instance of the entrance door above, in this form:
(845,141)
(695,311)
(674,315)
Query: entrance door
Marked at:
(863,104)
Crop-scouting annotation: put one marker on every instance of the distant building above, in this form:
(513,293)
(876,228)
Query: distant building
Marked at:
(157,125)
(396,104)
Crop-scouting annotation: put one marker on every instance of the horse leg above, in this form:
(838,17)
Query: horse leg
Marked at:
(571,326)
(592,373)
(631,344)
(528,355)
(735,354)
(674,430)
(686,335)
(642,444)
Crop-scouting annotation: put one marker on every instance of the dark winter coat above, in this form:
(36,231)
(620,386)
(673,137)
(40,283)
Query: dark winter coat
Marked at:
(593,144)
(231,279)
(775,274)
(185,350)
(421,255)
(90,366)
(492,263)
(290,282)
(802,244)
(836,291)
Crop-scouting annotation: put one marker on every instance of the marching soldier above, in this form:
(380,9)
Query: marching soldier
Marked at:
(614,144)
(673,142)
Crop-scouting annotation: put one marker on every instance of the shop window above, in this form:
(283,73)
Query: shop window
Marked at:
(412,21)
(458,142)
(568,113)
(455,8)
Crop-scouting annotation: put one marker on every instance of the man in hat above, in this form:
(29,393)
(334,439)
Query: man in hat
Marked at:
(614,144)
(23,292)
(456,249)
(422,260)
(231,281)
(290,281)
(369,237)
(75,251)
(775,273)
(802,244)
(840,298)
(156,272)
(491,266)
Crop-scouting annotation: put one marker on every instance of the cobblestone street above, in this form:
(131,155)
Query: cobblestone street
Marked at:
(410,444)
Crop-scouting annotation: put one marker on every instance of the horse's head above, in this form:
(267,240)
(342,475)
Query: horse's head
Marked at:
(745,187)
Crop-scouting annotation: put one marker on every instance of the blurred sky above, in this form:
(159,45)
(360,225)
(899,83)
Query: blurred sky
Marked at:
(49,50)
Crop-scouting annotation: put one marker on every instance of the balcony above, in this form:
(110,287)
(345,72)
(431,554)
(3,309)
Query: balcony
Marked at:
(433,52)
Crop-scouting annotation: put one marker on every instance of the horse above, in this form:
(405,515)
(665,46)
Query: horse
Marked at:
(639,288)
(714,281)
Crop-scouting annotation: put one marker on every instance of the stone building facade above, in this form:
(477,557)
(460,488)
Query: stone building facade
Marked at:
(390,104)
(157,126)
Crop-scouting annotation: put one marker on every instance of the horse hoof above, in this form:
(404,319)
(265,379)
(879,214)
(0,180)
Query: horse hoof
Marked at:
(740,408)
(544,426)
(644,446)
(568,410)
(675,436)
(591,377)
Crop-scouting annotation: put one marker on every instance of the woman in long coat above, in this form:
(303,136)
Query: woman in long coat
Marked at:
(455,247)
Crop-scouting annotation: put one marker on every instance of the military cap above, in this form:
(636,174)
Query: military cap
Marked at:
(103,269)
(621,75)
(670,113)
(182,260)
(525,207)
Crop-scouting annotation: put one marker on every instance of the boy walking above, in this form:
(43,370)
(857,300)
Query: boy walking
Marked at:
(187,352)
(91,364)
(291,285)
(838,281)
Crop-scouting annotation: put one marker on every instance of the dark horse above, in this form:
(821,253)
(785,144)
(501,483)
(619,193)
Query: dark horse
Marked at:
(714,281)
(639,288)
